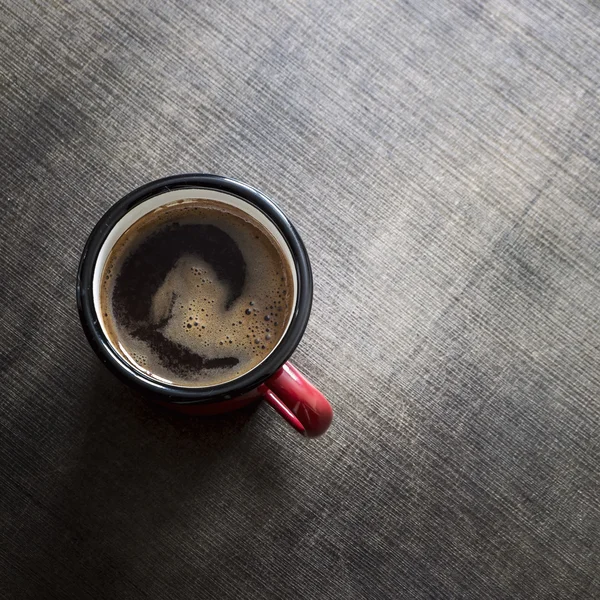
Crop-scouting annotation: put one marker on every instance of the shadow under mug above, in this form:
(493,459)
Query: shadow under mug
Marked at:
(274,379)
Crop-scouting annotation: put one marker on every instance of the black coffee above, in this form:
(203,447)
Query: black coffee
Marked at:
(196,293)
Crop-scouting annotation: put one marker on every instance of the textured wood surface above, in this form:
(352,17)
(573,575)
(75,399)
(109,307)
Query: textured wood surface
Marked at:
(441,162)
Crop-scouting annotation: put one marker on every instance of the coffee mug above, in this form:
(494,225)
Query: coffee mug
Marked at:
(274,379)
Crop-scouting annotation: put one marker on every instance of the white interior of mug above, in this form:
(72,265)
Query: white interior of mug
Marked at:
(170,197)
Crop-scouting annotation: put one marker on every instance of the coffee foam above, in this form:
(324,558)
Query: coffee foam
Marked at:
(192,307)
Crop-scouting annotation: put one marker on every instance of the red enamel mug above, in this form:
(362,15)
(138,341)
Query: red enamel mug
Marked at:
(274,379)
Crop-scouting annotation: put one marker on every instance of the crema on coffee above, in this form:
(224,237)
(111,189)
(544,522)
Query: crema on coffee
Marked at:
(196,293)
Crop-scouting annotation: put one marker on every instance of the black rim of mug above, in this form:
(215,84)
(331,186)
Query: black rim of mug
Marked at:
(205,395)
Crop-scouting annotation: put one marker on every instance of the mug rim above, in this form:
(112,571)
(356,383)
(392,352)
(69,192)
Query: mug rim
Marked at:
(207,394)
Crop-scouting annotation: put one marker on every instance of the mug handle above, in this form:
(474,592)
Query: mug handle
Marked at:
(298,401)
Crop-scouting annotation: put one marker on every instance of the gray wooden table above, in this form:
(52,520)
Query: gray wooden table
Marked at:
(441,161)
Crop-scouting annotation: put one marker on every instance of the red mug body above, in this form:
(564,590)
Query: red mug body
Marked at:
(297,400)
